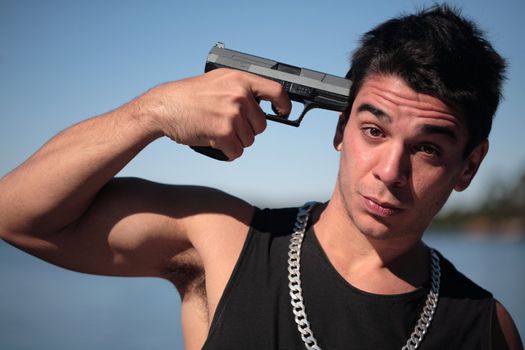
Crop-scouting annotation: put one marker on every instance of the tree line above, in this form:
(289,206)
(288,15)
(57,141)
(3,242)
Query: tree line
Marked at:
(502,211)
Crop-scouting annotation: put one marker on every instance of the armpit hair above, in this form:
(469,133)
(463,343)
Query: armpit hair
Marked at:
(186,272)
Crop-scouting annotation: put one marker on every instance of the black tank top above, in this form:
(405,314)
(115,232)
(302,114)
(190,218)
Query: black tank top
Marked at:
(255,311)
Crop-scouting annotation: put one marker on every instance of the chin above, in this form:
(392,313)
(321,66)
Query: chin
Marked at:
(378,233)
(372,228)
(383,229)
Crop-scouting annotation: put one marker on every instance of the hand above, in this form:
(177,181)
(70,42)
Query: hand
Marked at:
(217,109)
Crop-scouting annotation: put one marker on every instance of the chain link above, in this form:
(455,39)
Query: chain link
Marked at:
(296,292)
(430,305)
(294,278)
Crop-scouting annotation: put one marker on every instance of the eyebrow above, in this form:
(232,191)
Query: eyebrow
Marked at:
(379,114)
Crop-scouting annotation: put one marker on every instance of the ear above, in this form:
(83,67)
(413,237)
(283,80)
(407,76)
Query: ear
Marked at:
(471,165)
(339,132)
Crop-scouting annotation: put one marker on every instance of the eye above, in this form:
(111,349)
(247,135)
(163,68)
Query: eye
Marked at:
(429,150)
(372,132)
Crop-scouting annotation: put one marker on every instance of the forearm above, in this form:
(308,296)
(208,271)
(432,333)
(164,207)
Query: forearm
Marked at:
(56,185)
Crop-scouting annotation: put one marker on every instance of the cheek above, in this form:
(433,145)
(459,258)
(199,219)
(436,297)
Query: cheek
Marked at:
(354,172)
(352,162)
(354,148)
(432,188)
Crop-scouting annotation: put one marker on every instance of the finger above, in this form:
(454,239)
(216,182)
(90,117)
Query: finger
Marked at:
(274,92)
(228,142)
(244,131)
(256,117)
(233,149)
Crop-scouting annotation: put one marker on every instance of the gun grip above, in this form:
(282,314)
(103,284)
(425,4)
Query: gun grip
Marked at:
(210,152)
(219,155)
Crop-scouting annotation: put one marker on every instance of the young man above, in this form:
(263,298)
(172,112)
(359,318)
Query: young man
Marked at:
(425,89)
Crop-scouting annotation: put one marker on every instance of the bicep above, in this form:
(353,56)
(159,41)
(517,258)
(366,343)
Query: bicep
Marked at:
(133,228)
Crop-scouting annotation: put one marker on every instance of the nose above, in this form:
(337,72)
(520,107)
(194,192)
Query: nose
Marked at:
(393,166)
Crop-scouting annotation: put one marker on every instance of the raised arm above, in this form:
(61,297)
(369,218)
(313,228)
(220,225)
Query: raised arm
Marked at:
(62,204)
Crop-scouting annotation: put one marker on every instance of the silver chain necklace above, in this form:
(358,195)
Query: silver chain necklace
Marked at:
(296,294)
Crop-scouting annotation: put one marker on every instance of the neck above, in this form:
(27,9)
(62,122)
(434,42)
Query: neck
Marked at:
(392,264)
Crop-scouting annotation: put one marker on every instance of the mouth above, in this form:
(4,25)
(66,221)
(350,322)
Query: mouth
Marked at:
(378,208)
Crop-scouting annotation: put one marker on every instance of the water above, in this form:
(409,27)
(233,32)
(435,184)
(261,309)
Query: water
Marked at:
(496,264)
(45,307)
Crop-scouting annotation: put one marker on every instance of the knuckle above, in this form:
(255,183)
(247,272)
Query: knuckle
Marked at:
(277,89)
(236,99)
(250,139)
(280,88)
(233,74)
(234,152)
(260,125)
(237,152)
(235,105)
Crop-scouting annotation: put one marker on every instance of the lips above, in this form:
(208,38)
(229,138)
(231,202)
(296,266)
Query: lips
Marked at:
(379,208)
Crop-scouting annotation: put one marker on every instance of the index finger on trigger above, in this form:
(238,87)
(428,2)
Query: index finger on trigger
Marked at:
(274,92)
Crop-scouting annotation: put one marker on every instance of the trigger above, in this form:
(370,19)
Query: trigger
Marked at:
(274,109)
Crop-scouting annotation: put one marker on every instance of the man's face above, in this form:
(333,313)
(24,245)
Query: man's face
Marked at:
(401,156)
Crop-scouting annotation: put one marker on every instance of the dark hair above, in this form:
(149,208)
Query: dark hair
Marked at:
(440,53)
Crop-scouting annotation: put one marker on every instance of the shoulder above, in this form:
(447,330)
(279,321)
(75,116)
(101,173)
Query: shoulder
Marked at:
(215,220)
(504,332)
(276,222)
(233,220)
(456,285)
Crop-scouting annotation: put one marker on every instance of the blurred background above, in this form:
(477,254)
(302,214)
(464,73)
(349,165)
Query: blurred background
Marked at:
(65,61)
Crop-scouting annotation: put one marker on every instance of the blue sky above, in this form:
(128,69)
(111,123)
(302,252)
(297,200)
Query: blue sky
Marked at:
(65,61)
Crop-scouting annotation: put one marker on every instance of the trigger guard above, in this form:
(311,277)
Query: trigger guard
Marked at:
(284,120)
(293,122)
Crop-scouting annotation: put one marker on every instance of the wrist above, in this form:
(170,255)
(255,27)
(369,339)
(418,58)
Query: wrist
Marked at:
(146,116)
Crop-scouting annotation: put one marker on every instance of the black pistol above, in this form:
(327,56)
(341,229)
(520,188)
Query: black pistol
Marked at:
(311,88)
